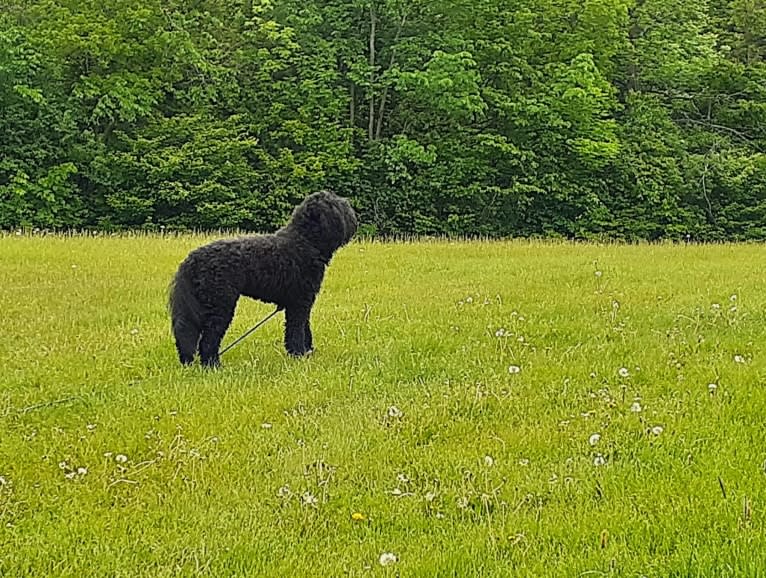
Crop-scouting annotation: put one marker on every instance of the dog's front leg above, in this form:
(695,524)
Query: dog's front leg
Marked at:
(296,324)
(308,338)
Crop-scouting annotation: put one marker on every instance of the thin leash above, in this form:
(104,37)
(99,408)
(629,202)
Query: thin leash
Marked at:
(257,325)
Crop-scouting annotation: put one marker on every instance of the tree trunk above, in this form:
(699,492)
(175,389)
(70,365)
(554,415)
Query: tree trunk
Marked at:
(371,117)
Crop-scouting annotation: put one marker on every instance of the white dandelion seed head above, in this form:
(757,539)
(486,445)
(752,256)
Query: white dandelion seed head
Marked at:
(394,412)
(712,388)
(623,372)
(636,407)
(657,430)
(308,499)
(513,369)
(599,460)
(489,461)
(120,458)
(387,559)
(500,332)
(615,304)
(739,359)
(598,273)
(594,439)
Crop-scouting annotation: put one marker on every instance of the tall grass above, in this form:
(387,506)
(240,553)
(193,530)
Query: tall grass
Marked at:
(473,408)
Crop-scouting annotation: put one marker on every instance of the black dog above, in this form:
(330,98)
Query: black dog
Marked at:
(285,268)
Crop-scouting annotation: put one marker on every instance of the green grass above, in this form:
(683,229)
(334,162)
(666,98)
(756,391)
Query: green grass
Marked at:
(484,473)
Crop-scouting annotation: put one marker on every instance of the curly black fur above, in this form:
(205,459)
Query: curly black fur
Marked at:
(285,268)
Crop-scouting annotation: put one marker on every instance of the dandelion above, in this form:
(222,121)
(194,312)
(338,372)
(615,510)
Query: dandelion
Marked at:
(712,388)
(394,412)
(598,273)
(121,458)
(739,359)
(599,460)
(489,461)
(657,430)
(358,517)
(500,332)
(623,372)
(615,304)
(308,499)
(594,439)
(387,558)
(513,369)
(636,407)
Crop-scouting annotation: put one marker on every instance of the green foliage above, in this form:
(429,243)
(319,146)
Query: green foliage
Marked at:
(609,118)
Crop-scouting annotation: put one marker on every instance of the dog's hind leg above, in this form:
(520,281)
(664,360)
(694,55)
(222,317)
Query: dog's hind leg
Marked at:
(297,330)
(187,337)
(214,328)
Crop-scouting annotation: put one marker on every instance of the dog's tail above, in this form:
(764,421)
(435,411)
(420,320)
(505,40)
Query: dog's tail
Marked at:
(184,314)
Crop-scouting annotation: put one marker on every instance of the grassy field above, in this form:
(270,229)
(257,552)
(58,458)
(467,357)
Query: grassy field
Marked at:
(488,409)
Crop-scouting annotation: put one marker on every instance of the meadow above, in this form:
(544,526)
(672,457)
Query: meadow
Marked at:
(472,409)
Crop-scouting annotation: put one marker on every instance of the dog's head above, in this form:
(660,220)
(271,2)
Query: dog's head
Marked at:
(326,220)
